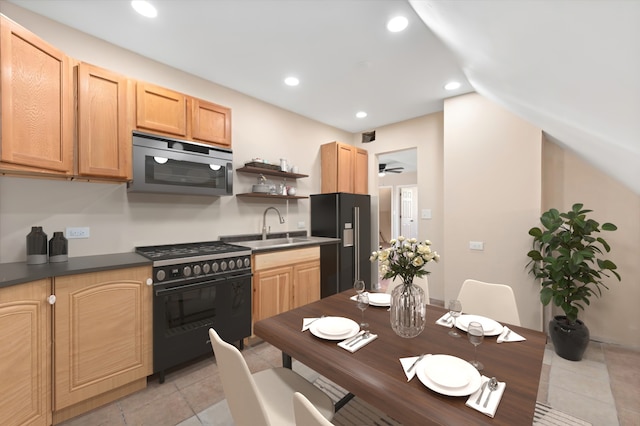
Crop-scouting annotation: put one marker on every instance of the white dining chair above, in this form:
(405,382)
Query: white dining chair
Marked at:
(263,398)
(306,414)
(423,282)
(495,301)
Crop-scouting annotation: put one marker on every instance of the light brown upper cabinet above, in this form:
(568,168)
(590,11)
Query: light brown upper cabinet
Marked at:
(211,123)
(174,114)
(105,114)
(161,110)
(36,83)
(344,168)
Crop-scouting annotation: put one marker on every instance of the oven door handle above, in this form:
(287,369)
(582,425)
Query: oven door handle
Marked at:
(165,291)
(180,288)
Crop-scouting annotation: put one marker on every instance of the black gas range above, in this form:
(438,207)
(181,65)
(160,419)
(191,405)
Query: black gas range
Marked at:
(197,286)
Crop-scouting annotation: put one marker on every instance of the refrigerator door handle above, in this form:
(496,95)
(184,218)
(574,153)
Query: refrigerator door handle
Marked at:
(356,222)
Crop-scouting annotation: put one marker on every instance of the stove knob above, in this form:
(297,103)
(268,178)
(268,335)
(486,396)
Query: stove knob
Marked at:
(186,271)
(161,275)
(223,265)
(206,268)
(232,264)
(197,269)
(215,267)
(247,262)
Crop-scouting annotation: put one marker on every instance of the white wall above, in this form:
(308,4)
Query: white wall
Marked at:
(614,317)
(121,221)
(492,190)
(425,134)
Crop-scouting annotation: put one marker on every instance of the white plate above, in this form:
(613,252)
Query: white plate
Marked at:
(379,299)
(490,327)
(448,375)
(334,328)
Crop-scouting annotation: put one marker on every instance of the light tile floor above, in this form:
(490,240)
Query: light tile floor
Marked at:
(603,389)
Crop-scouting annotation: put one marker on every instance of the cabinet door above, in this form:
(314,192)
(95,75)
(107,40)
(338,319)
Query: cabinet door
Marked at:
(306,283)
(161,110)
(272,294)
(361,172)
(345,168)
(211,123)
(25,364)
(102,325)
(104,123)
(37,103)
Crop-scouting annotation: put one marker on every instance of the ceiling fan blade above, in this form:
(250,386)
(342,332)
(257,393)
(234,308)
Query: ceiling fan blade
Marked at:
(395,169)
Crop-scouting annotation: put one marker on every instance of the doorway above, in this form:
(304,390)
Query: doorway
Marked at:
(397,195)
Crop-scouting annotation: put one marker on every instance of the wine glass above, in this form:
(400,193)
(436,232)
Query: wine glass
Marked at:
(476,335)
(358,286)
(363,303)
(455,309)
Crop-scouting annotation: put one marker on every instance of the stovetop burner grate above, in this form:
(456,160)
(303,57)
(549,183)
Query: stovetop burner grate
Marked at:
(176,251)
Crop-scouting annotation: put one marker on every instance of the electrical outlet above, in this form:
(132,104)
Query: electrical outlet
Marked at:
(476,245)
(77,232)
(301,224)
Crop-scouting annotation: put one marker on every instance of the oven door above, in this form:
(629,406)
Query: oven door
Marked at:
(183,314)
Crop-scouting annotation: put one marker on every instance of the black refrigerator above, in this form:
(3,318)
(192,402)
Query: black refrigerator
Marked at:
(348,217)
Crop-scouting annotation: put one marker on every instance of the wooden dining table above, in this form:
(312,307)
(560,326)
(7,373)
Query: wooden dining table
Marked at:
(374,373)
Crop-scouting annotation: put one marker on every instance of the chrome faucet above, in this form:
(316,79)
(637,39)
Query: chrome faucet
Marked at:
(264,220)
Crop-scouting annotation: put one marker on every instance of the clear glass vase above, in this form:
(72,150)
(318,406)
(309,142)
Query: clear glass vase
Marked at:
(408,310)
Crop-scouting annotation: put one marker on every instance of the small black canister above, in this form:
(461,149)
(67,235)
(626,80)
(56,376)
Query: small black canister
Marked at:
(58,248)
(36,246)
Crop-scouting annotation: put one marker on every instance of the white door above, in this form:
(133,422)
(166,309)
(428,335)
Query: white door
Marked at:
(409,211)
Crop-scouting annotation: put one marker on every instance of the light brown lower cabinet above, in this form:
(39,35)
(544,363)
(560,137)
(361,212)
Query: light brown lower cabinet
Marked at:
(102,338)
(25,354)
(284,280)
(88,346)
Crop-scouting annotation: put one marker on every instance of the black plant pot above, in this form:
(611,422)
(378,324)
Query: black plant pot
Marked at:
(569,340)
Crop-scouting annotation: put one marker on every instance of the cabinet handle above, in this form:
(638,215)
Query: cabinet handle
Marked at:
(149,281)
(51,299)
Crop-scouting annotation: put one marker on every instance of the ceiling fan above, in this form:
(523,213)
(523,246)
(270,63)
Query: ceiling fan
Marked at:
(382,168)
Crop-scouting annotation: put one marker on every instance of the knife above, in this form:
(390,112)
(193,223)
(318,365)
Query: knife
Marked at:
(354,338)
(364,336)
(484,385)
(415,362)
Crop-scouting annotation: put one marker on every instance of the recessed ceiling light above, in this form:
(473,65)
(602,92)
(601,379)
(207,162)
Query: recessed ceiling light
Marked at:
(291,81)
(361,114)
(397,24)
(452,85)
(144,8)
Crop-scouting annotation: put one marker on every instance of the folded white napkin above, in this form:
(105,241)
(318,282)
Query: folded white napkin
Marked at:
(512,337)
(494,399)
(355,297)
(306,322)
(346,344)
(407,363)
(445,320)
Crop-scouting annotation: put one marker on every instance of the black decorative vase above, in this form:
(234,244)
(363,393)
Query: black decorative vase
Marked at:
(569,340)
(36,246)
(58,248)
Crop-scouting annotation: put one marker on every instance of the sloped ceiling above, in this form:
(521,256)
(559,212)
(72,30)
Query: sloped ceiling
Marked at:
(571,68)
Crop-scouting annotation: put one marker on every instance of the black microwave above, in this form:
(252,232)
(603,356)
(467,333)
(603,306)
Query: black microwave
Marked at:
(173,166)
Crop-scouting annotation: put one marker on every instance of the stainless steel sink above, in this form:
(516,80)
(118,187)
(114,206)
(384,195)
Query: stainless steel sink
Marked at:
(276,242)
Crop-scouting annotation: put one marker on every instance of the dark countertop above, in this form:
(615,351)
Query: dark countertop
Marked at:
(20,272)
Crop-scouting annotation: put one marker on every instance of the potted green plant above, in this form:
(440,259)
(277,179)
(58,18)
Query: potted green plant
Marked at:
(567,258)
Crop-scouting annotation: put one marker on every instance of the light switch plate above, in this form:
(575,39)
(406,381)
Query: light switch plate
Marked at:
(301,224)
(71,233)
(425,214)
(476,245)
